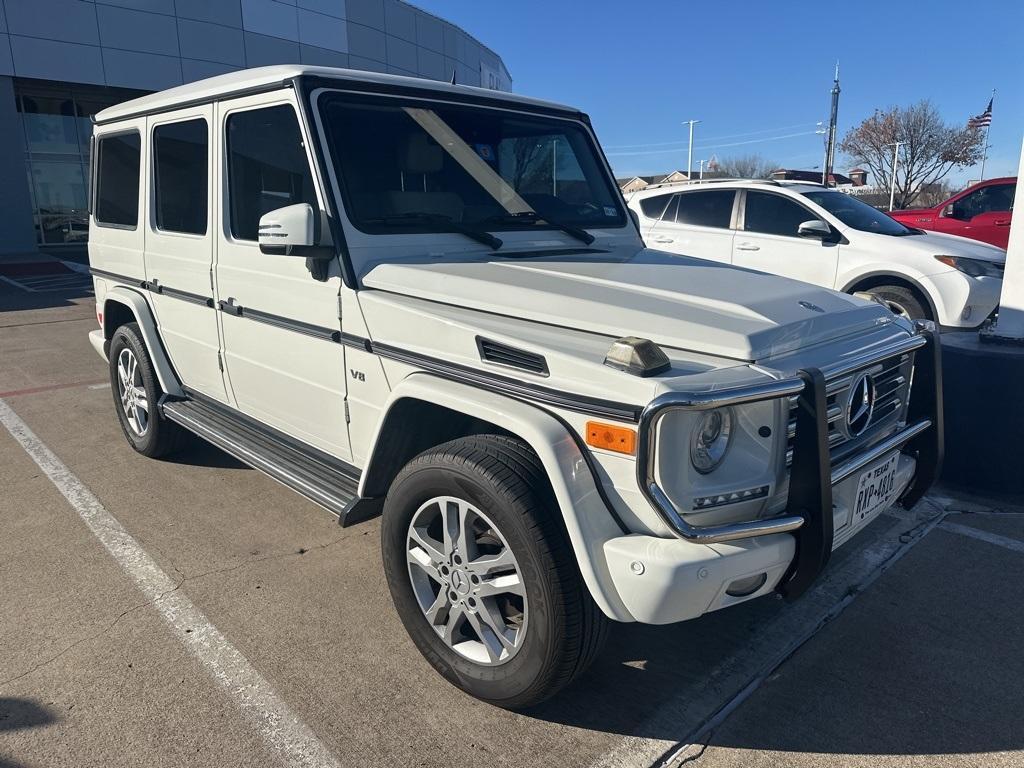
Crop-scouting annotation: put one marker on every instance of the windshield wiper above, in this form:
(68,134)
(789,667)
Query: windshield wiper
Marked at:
(578,232)
(440,220)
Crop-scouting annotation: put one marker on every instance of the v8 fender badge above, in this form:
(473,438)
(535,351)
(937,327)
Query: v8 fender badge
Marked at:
(812,307)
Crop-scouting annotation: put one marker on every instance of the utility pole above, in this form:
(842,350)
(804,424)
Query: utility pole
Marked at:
(689,154)
(830,141)
(702,170)
(895,158)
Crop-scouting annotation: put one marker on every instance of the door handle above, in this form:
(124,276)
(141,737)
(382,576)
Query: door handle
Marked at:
(1002,223)
(748,247)
(230,306)
(664,240)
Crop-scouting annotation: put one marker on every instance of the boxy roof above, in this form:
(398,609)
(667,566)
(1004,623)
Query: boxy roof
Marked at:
(222,86)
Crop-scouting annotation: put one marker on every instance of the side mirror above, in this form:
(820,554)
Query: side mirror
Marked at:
(289,231)
(815,229)
(947,212)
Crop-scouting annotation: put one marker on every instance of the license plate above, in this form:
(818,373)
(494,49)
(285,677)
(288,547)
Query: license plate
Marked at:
(876,488)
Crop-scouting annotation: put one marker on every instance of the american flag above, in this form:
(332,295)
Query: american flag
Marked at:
(984,120)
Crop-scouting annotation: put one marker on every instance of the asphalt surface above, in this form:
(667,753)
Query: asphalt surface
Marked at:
(905,653)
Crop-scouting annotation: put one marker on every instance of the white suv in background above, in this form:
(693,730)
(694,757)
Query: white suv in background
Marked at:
(822,236)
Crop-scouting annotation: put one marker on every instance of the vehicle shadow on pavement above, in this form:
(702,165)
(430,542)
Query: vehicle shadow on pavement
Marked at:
(642,667)
(925,662)
(42,284)
(199,453)
(19,714)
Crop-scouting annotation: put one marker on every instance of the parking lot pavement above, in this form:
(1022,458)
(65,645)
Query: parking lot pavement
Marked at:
(923,669)
(94,672)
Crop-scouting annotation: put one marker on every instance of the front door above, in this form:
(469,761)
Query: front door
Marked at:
(768,241)
(179,245)
(983,214)
(279,320)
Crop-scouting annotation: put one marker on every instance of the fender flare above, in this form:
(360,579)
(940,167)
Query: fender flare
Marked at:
(139,308)
(588,521)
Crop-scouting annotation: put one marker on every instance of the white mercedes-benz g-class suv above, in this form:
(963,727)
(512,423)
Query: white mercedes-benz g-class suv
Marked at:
(428,301)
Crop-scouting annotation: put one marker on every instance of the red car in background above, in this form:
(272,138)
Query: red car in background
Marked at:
(981,212)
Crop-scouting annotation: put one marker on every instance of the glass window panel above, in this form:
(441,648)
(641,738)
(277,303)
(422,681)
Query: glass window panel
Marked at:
(267,167)
(180,163)
(50,123)
(706,209)
(60,199)
(774,214)
(117,188)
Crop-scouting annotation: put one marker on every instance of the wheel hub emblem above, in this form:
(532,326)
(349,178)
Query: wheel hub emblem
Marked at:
(861,405)
(459,582)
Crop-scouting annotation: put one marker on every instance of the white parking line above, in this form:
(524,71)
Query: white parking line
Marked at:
(991,538)
(280,728)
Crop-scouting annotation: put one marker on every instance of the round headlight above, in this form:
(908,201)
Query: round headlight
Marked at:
(710,439)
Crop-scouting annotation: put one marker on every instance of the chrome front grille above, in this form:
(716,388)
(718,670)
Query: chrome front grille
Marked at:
(891,376)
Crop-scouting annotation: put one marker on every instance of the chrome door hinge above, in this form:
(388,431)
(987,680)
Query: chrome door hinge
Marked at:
(220,362)
(211,281)
(348,416)
(339,306)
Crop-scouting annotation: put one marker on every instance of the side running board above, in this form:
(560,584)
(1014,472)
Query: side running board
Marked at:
(324,481)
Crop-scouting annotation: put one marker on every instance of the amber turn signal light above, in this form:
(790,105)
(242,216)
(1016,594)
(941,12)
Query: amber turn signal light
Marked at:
(611,437)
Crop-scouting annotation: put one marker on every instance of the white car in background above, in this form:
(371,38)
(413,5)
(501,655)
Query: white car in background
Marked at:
(822,236)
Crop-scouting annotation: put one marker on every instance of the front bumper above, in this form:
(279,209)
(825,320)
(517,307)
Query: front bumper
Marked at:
(688,576)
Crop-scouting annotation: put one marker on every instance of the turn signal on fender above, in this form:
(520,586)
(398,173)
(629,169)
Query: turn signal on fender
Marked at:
(611,437)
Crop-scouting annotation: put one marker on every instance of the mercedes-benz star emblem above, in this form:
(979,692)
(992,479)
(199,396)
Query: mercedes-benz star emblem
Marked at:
(812,307)
(861,405)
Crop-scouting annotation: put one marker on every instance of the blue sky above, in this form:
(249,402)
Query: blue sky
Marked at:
(755,71)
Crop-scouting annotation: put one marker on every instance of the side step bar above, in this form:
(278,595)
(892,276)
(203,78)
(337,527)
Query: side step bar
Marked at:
(327,483)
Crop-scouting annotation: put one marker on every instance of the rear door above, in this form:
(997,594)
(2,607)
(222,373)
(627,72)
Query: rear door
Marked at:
(768,241)
(696,223)
(179,245)
(280,320)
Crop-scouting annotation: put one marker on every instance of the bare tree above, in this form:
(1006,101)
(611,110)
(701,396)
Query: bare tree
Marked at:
(748,167)
(930,148)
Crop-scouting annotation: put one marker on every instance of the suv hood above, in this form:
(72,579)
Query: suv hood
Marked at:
(678,302)
(938,243)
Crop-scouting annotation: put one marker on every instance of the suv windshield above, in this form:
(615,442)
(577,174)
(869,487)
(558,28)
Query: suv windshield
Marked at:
(857,214)
(411,166)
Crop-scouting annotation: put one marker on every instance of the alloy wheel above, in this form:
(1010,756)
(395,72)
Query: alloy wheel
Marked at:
(467,581)
(132,392)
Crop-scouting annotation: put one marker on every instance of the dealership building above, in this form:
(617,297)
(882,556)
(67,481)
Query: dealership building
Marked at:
(64,60)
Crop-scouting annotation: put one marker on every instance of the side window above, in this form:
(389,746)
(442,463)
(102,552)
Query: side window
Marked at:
(180,175)
(117,180)
(998,197)
(774,214)
(654,207)
(706,209)
(267,167)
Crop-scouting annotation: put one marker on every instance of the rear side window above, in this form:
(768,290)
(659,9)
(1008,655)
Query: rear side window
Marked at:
(654,207)
(267,167)
(706,209)
(117,180)
(774,214)
(180,176)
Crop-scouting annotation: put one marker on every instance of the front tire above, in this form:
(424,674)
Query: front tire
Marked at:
(902,301)
(482,574)
(136,394)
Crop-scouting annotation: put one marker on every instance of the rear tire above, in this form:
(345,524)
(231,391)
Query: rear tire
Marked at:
(136,395)
(902,301)
(493,490)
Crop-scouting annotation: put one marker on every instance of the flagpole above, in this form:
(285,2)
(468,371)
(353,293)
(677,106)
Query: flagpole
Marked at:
(988,129)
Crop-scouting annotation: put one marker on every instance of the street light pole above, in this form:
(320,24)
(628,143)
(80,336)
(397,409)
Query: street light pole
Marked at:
(689,154)
(702,170)
(895,158)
